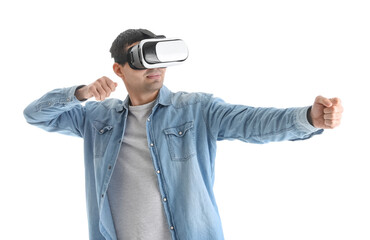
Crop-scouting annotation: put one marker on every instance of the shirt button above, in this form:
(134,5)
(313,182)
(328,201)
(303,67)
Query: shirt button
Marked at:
(101,131)
(165,199)
(68,99)
(180,133)
(158,171)
(172,227)
(148,119)
(152,144)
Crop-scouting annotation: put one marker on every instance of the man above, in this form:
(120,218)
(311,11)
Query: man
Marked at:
(150,159)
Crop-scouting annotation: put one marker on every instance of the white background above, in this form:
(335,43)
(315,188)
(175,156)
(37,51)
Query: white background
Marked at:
(260,53)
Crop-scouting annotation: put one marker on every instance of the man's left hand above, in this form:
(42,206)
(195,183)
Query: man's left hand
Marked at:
(326,113)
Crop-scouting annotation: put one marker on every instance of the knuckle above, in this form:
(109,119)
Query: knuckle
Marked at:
(101,89)
(111,85)
(328,122)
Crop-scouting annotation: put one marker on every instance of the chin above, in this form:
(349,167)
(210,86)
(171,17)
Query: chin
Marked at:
(155,85)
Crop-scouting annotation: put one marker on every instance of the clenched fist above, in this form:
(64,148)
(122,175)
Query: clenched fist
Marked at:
(326,113)
(100,89)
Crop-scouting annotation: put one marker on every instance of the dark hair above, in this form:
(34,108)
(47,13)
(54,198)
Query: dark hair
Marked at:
(125,39)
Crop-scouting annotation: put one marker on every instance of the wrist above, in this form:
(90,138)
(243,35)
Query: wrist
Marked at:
(79,93)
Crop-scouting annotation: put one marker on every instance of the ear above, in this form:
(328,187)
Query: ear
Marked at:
(118,69)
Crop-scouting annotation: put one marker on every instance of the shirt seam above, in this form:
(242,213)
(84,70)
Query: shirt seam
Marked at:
(205,122)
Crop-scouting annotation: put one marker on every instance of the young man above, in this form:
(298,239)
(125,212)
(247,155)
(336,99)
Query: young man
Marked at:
(150,159)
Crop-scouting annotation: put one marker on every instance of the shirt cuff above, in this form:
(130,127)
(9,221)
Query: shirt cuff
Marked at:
(302,120)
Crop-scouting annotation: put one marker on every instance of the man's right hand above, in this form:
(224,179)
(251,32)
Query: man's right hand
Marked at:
(100,89)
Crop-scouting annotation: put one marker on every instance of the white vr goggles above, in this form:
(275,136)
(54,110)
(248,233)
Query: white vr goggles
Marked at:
(157,53)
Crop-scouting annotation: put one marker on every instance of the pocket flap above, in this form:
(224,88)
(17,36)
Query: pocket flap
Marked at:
(180,130)
(101,128)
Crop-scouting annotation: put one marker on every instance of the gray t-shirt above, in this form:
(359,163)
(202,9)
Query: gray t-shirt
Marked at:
(133,193)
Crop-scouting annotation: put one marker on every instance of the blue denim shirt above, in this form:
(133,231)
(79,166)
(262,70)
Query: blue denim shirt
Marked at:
(182,132)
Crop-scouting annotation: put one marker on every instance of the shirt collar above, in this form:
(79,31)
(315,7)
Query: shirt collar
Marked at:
(164,98)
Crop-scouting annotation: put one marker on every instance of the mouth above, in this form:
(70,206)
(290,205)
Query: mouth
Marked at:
(154,75)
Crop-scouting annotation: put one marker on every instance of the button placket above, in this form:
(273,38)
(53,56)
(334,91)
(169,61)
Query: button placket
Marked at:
(158,170)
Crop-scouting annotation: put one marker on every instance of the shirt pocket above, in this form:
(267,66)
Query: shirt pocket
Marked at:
(181,141)
(102,136)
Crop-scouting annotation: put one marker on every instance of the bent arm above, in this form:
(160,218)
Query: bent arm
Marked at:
(257,125)
(57,111)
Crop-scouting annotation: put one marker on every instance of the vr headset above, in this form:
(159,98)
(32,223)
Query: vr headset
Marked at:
(157,53)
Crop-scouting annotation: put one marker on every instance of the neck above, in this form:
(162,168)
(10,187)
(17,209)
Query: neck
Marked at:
(141,99)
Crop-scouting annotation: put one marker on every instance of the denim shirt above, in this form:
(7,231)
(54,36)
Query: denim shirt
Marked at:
(182,132)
